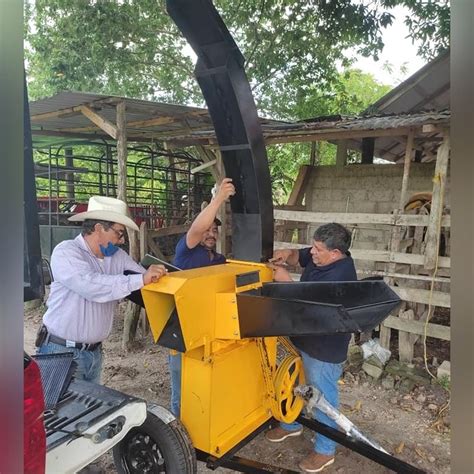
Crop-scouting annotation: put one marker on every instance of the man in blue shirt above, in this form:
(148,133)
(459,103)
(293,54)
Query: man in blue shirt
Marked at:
(198,249)
(323,356)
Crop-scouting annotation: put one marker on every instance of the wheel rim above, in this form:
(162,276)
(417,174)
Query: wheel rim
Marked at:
(141,454)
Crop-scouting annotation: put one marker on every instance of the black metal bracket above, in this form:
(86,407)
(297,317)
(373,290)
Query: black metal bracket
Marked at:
(391,462)
(237,463)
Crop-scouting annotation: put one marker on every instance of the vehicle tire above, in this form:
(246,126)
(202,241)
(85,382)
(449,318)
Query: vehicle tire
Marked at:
(156,446)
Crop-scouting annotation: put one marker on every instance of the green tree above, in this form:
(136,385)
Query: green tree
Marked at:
(428,22)
(133,48)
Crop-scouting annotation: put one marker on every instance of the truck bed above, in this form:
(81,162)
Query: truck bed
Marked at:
(88,420)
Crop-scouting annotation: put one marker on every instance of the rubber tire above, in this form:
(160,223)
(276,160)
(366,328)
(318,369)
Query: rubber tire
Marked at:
(172,441)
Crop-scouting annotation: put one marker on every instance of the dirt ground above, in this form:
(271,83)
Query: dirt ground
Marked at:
(407,425)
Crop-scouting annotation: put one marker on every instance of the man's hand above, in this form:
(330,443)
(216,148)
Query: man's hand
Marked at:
(280,256)
(281,274)
(154,273)
(226,190)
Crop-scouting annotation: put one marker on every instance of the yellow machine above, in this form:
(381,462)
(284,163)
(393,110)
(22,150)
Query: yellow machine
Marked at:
(231,383)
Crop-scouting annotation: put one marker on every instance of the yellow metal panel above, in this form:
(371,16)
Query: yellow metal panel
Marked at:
(158,309)
(222,402)
(195,397)
(227,319)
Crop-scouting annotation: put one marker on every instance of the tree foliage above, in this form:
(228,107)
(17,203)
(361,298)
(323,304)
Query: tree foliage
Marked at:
(133,48)
(294,52)
(429,22)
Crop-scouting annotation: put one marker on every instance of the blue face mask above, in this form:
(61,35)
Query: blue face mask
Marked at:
(109,250)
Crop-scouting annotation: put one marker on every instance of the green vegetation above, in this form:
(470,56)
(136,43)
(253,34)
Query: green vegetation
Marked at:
(294,53)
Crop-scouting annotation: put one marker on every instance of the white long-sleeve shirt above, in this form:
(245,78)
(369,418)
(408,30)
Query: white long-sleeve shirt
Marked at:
(86,289)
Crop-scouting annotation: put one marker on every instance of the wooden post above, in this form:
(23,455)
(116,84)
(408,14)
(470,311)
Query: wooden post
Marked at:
(314,154)
(143,250)
(341,155)
(121,152)
(132,312)
(405,339)
(368,145)
(143,240)
(396,237)
(406,168)
(299,188)
(434,226)
(69,176)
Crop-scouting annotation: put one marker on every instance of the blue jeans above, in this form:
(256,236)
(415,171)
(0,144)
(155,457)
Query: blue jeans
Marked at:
(89,363)
(323,376)
(175,374)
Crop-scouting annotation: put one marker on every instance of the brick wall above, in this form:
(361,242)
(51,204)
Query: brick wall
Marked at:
(365,189)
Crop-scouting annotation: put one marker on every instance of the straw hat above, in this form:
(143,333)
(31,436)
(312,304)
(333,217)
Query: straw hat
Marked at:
(106,209)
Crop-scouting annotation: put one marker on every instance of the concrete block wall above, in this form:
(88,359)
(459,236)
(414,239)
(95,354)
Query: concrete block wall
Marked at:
(365,189)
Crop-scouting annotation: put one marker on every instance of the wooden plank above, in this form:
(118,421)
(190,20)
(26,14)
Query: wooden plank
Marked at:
(334,134)
(208,156)
(432,237)
(377,255)
(418,327)
(67,112)
(90,136)
(405,344)
(406,168)
(355,218)
(437,298)
(285,207)
(406,276)
(104,124)
(297,193)
(170,230)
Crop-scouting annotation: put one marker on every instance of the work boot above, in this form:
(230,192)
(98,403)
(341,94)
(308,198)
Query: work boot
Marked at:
(278,434)
(315,462)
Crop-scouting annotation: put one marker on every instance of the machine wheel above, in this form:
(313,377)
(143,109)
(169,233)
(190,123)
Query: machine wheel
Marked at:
(156,447)
(289,374)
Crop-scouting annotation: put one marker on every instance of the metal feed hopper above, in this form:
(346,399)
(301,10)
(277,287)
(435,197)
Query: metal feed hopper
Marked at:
(225,319)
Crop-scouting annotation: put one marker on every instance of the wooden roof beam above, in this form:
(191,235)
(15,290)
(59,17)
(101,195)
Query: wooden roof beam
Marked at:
(104,124)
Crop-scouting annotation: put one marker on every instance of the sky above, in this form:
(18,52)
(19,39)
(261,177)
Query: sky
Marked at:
(398,51)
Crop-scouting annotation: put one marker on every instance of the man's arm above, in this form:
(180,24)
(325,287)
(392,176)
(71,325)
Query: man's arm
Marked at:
(153,274)
(206,217)
(289,256)
(79,276)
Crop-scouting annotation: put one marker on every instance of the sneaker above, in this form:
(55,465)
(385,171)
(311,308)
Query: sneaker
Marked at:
(276,435)
(315,462)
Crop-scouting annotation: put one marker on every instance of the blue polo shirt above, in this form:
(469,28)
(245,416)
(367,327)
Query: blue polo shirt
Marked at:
(325,348)
(186,258)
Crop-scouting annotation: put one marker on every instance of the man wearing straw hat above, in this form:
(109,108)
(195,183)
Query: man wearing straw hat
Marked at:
(88,282)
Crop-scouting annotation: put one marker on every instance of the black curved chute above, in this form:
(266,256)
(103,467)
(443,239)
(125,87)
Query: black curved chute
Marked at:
(224,84)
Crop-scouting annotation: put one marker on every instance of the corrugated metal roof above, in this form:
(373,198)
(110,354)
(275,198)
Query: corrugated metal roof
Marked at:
(60,115)
(184,125)
(427,89)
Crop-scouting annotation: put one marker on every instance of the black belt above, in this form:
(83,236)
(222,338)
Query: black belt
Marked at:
(76,345)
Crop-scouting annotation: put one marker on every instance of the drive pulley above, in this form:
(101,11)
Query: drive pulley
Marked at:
(285,406)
